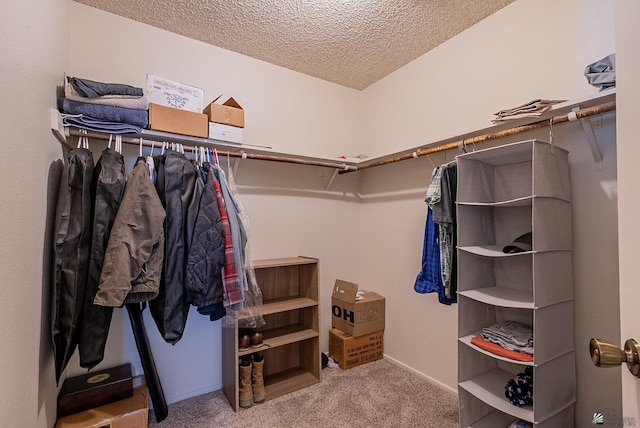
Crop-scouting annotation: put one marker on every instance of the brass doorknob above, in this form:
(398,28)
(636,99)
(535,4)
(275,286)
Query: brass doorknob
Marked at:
(605,354)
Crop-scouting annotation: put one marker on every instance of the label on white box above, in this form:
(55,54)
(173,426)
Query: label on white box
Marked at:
(174,94)
(231,134)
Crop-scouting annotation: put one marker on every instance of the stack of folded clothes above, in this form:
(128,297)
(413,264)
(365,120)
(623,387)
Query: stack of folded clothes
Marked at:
(533,108)
(104,107)
(509,339)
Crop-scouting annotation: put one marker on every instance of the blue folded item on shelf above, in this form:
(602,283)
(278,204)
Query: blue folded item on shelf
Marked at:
(91,124)
(92,89)
(130,116)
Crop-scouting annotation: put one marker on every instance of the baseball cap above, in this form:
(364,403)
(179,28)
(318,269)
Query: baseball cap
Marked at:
(521,244)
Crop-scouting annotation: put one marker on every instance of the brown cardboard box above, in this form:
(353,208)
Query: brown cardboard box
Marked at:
(95,389)
(227,113)
(132,412)
(349,351)
(176,121)
(356,313)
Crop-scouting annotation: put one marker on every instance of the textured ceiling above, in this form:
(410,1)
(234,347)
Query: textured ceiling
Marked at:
(350,42)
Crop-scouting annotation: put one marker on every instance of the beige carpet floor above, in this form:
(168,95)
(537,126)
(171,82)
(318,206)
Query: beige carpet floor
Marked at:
(378,394)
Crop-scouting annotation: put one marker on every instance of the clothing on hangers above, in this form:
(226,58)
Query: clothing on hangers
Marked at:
(444,214)
(175,186)
(72,248)
(230,276)
(436,255)
(108,184)
(134,256)
(238,234)
(203,281)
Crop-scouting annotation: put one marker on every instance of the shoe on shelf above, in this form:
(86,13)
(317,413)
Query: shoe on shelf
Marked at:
(257,378)
(245,396)
(244,341)
(257,340)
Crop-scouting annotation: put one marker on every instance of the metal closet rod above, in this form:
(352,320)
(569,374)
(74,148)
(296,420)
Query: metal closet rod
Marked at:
(569,117)
(149,142)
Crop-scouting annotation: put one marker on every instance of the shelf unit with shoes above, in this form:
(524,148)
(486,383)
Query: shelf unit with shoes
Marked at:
(290,345)
(505,194)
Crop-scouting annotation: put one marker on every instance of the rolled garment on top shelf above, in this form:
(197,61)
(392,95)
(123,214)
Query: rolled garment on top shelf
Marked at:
(93,89)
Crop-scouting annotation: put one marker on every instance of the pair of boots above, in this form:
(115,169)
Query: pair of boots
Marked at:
(252,381)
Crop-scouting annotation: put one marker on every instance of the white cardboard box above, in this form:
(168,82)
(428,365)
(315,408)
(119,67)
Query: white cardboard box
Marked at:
(168,93)
(232,134)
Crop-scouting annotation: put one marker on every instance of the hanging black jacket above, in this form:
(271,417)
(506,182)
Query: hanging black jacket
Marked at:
(206,256)
(109,182)
(71,255)
(176,178)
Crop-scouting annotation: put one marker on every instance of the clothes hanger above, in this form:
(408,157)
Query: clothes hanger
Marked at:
(216,160)
(462,146)
(553,147)
(83,141)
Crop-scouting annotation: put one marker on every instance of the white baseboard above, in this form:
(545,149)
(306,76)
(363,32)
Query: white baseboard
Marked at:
(420,374)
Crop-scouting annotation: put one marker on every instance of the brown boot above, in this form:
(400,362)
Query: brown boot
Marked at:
(257,378)
(246,393)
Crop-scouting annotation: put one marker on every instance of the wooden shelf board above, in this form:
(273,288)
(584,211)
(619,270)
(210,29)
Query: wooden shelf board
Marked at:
(283,305)
(281,337)
(289,381)
(276,306)
(289,261)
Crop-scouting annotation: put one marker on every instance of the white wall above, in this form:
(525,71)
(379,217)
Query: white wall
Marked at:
(527,50)
(283,109)
(289,211)
(34,41)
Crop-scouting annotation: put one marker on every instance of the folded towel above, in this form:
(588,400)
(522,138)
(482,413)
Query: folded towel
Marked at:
(126,101)
(138,118)
(90,124)
(91,89)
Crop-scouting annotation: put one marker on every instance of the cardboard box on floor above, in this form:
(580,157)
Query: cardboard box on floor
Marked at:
(356,313)
(349,351)
(228,113)
(132,412)
(176,121)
